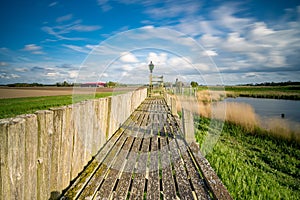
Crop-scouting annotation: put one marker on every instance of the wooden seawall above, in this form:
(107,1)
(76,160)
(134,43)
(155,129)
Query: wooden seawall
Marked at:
(41,153)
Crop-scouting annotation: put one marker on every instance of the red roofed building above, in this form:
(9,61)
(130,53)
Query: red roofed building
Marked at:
(93,84)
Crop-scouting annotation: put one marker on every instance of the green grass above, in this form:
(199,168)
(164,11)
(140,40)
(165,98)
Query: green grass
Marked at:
(17,106)
(274,92)
(254,165)
(294,89)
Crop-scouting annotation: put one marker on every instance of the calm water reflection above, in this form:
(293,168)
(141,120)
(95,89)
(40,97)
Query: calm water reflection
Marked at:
(272,108)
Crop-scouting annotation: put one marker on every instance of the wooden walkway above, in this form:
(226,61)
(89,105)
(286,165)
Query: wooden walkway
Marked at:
(148,158)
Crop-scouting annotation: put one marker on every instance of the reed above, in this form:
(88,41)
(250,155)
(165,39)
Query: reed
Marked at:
(207,105)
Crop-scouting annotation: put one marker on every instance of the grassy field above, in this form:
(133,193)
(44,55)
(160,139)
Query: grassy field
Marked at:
(275,92)
(16,106)
(254,165)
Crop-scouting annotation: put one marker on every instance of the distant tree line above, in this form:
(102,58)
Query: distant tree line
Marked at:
(110,84)
(287,83)
(194,84)
(64,84)
(25,85)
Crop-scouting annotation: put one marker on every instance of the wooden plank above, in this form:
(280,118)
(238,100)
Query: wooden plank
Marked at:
(197,181)
(138,185)
(150,121)
(112,177)
(212,180)
(174,126)
(153,189)
(169,188)
(133,121)
(84,177)
(155,124)
(134,155)
(125,179)
(95,182)
(184,187)
(145,120)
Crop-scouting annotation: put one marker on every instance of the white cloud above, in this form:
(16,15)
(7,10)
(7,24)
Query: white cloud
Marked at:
(276,60)
(225,16)
(204,67)
(15,76)
(179,62)
(127,67)
(53,4)
(3,63)
(210,53)
(260,29)
(21,69)
(104,75)
(171,9)
(250,74)
(60,31)
(64,18)
(91,47)
(73,74)
(196,25)
(128,57)
(236,43)
(208,40)
(52,74)
(104,4)
(159,59)
(32,47)
(37,52)
(124,74)
(8,76)
(85,28)
(77,48)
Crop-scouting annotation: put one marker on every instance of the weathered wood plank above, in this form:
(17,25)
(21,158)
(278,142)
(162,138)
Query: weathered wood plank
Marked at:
(138,184)
(153,188)
(125,179)
(126,176)
(112,177)
(184,187)
(169,188)
(214,183)
(84,177)
(197,181)
(129,164)
(95,182)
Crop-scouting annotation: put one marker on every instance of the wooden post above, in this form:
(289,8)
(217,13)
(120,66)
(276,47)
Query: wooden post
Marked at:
(188,125)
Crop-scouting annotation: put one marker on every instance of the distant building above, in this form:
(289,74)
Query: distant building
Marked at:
(93,84)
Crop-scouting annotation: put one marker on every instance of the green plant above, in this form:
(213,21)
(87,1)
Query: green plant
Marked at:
(17,106)
(253,165)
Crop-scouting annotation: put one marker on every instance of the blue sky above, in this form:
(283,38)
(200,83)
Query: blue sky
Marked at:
(209,41)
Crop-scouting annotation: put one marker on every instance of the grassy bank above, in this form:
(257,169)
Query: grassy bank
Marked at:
(16,106)
(254,165)
(273,92)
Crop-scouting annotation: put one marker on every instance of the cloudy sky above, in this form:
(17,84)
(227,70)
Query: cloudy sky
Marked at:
(209,41)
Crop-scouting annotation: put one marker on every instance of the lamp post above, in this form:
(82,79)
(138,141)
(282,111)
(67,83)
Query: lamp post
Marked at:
(151,67)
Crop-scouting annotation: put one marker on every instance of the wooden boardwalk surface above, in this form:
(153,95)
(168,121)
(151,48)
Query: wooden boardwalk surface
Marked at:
(148,158)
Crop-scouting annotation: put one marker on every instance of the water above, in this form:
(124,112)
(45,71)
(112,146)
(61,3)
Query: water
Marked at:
(272,108)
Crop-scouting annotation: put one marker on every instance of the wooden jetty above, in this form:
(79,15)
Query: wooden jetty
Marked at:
(148,158)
